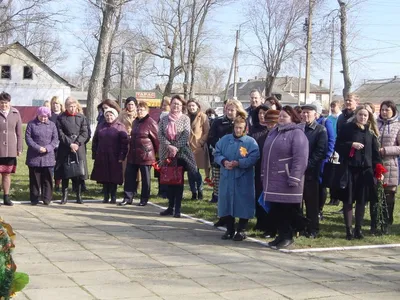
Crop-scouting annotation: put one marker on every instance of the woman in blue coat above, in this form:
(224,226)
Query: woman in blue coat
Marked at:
(236,154)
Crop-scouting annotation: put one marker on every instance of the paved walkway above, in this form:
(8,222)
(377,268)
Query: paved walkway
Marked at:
(97,251)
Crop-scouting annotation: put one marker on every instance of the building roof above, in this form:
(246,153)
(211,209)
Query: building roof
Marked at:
(82,95)
(18,46)
(377,90)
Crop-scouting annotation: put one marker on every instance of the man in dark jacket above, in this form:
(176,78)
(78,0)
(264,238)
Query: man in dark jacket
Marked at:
(255,101)
(318,141)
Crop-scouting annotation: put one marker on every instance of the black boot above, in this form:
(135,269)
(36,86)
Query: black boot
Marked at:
(168,212)
(194,196)
(79,194)
(220,223)
(358,233)
(349,233)
(113,193)
(64,198)
(106,192)
(240,235)
(7,200)
(126,202)
(230,228)
(200,195)
(390,207)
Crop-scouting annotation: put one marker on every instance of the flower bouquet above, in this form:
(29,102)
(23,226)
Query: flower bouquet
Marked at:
(380,207)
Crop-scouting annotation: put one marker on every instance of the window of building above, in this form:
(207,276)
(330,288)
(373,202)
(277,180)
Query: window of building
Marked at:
(5,72)
(318,97)
(37,102)
(28,72)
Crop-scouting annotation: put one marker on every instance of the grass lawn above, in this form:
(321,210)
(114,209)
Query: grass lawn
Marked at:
(332,231)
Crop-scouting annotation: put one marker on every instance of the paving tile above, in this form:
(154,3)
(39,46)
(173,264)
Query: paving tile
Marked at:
(84,265)
(182,260)
(208,296)
(355,286)
(98,277)
(29,258)
(120,252)
(139,262)
(229,282)
(49,281)
(118,291)
(200,271)
(39,269)
(222,258)
(381,295)
(59,294)
(249,267)
(306,291)
(58,246)
(151,273)
(169,287)
(68,256)
(252,294)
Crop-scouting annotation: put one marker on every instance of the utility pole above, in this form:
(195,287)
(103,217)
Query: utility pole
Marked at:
(308,53)
(230,75)
(299,81)
(332,61)
(122,77)
(235,74)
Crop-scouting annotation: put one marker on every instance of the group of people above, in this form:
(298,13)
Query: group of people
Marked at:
(266,160)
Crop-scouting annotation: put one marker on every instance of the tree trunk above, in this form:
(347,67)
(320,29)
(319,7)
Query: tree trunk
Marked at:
(269,84)
(343,48)
(96,80)
(107,78)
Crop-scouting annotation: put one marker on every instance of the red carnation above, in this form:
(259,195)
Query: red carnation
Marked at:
(379,171)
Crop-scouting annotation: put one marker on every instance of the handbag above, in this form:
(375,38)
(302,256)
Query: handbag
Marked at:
(171,175)
(73,167)
(335,175)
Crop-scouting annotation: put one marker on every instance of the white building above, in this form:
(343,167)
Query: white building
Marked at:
(27,79)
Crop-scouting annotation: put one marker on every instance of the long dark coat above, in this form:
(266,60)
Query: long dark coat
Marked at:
(109,145)
(71,129)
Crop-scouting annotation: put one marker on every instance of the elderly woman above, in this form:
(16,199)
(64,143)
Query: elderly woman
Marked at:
(108,103)
(173,134)
(237,154)
(200,126)
(358,148)
(143,147)
(285,156)
(109,149)
(42,138)
(10,143)
(73,133)
(389,130)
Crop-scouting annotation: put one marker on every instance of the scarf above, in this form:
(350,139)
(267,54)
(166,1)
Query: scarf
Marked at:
(69,114)
(171,127)
(193,116)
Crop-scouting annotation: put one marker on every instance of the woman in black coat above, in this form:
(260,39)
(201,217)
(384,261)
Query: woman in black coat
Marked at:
(358,149)
(73,133)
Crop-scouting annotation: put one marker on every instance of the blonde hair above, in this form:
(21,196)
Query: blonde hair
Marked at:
(70,100)
(373,127)
(79,108)
(240,112)
(55,99)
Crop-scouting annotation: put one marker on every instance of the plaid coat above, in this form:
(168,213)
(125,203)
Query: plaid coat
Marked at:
(181,142)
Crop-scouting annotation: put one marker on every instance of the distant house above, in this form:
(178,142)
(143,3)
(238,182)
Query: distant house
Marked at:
(82,96)
(377,90)
(27,79)
(286,88)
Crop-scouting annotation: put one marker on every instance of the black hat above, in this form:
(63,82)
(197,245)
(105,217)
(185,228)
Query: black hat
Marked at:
(129,99)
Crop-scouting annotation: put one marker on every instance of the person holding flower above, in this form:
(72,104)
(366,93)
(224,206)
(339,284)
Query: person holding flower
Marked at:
(237,154)
(358,148)
(389,130)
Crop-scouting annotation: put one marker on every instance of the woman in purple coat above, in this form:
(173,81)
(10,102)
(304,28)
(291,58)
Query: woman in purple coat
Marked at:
(284,162)
(42,138)
(109,149)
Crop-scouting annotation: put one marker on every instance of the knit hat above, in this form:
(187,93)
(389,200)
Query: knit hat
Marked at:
(272,116)
(111,110)
(129,99)
(43,111)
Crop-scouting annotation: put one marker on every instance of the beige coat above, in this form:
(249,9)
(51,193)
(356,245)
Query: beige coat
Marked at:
(198,138)
(10,134)
(389,137)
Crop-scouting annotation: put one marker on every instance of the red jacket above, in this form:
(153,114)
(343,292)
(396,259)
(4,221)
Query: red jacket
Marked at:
(144,142)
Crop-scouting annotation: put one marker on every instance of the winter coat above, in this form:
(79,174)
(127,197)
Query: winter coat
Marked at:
(317,149)
(39,135)
(331,131)
(389,137)
(10,134)
(259,133)
(200,128)
(127,118)
(343,118)
(71,129)
(236,187)
(109,146)
(181,142)
(285,156)
(144,143)
(54,117)
(220,127)
(367,157)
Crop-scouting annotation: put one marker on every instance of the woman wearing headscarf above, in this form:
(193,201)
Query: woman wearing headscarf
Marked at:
(10,143)
(174,134)
(109,149)
(42,138)
(237,154)
(200,126)
(73,133)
